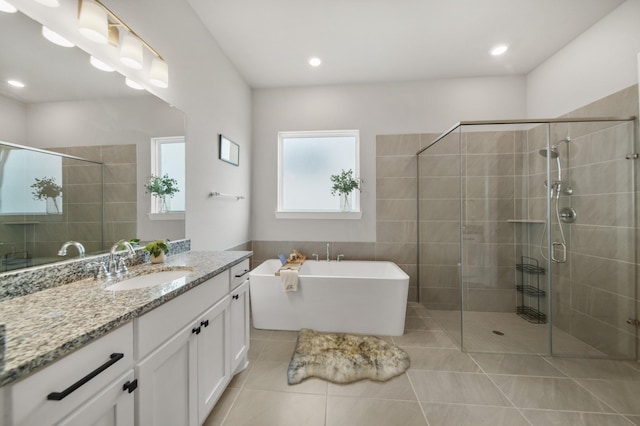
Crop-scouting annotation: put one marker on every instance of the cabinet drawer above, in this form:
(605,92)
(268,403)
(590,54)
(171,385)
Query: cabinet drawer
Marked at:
(238,273)
(154,328)
(30,405)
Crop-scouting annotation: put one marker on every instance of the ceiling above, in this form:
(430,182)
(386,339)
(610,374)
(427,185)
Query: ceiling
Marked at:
(366,41)
(54,73)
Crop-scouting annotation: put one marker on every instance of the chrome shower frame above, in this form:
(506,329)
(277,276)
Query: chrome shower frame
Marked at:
(557,189)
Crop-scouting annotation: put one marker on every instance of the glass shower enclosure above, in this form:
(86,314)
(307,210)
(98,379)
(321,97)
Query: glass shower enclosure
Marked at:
(527,236)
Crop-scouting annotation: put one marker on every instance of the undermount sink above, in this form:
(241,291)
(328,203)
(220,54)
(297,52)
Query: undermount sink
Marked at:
(150,280)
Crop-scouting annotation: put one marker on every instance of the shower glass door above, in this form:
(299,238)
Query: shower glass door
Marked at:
(591,207)
(504,285)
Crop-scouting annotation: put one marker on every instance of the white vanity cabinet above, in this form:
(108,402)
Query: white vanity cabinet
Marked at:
(239,326)
(167,367)
(190,368)
(66,391)
(112,407)
(239,279)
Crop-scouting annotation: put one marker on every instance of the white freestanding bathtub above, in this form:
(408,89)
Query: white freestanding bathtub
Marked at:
(348,296)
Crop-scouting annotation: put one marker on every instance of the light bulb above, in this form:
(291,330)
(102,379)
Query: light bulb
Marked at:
(5,6)
(132,84)
(55,38)
(99,64)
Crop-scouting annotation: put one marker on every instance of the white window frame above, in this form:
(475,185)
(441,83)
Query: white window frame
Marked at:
(155,170)
(318,214)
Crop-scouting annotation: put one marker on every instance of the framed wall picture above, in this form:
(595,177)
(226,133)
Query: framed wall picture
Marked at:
(229,151)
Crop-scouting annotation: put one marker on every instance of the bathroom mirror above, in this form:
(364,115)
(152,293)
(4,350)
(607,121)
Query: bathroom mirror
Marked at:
(229,151)
(70,107)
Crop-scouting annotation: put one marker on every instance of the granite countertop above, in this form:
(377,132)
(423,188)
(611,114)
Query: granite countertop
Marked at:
(46,325)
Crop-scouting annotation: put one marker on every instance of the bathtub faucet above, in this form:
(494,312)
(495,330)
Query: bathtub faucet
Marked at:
(328,253)
(340,256)
(316,256)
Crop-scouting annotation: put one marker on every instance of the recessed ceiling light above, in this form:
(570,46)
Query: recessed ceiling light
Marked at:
(315,61)
(499,50)
(55,38)
(99,64)
(6,7)
(16,83)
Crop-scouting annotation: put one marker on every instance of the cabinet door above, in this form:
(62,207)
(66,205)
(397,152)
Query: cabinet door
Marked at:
(239,326)
(167,385)
(111,407)
(214,365)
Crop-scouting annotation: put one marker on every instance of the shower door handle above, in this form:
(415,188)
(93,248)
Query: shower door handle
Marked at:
(563,258)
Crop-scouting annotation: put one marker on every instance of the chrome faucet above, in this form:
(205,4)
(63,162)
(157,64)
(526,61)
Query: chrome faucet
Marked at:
(340,256)
(63,249)
(114,266)
(316,256)
(328,253)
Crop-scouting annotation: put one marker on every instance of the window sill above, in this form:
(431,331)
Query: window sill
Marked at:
(318,215)
(167,216)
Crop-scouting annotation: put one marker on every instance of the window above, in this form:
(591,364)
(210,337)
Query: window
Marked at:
(168,157)
(306,161)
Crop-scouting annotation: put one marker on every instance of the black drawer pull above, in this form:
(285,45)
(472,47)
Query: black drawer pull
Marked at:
(130,386)
(57,396)
(235,296)
(244,273)
(204,323)
(196,330)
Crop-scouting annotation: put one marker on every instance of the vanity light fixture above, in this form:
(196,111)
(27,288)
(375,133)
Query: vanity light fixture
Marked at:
(99,64)
(315,61)
(7,7)
(93,22)
(132,84)
(50,3)
(499,50)
(131,52)
(55,38)
(97,20)
(16,83)
(159,73)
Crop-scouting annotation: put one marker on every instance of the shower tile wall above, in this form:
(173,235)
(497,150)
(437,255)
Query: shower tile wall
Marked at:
(491,187)
(594,293)
(84,196)
(439,212)
(492,194)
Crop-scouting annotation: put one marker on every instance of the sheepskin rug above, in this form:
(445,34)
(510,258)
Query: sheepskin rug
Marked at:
(345,358)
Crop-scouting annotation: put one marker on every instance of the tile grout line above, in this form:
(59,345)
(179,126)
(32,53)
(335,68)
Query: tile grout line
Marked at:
(499,389)
(413,388)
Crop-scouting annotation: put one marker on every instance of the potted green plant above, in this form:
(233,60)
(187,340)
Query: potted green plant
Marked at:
(162,187)
(157,250)
(47,189)
(343,185)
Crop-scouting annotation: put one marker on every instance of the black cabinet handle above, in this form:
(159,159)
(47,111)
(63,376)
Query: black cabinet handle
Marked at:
(196,330)
(130,386)
(235,296)
(244,273)
(57,396)
(204,323)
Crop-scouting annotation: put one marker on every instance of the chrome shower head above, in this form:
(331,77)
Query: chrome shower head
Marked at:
(552,153)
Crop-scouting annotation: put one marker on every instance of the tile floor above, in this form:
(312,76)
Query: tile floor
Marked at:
(443,387)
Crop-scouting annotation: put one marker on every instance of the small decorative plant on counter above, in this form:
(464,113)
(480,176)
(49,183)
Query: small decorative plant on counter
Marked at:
(161,188)
(47,189)
(344,184)
(157,249)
